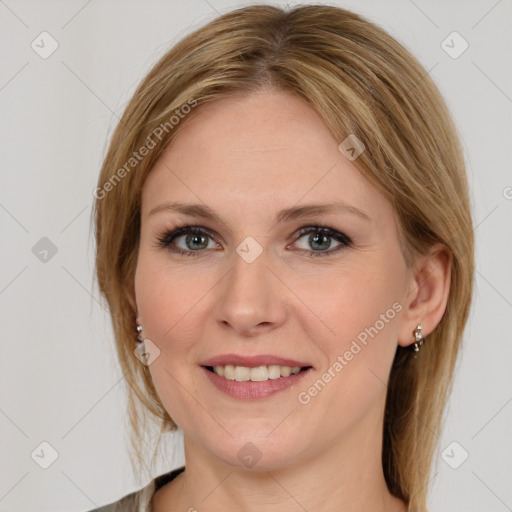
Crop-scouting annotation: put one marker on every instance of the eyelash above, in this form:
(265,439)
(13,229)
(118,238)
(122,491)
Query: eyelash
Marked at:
(165,239)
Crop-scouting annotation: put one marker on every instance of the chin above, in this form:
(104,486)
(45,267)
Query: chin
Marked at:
(258,452)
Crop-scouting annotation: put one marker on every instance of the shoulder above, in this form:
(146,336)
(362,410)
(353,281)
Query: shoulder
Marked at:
(139,501)
(133,501)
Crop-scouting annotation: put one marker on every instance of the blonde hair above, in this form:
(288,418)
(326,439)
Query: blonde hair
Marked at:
(361,81)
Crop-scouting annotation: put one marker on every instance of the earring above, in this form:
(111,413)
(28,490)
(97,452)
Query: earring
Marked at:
(146,351)
(418,340)
(140,351)
(138,337)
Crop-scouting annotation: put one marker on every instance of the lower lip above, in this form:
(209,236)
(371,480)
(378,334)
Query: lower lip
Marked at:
(250,390)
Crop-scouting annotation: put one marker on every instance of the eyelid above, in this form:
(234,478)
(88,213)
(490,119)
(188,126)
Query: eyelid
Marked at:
(327,230)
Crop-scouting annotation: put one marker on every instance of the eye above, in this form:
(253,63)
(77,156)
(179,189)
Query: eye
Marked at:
(194,239)
(319,238)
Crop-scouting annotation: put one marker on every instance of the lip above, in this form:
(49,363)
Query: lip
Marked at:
(249,390)
(252,361)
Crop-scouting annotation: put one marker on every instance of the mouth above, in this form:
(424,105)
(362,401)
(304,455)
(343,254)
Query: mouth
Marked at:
(252,377)
(254,382)
(257,373)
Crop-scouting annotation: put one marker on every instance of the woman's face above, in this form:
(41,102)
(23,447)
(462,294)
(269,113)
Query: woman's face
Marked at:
(259,281)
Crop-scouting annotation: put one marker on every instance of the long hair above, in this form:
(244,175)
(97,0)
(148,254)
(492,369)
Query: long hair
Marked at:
(361,81)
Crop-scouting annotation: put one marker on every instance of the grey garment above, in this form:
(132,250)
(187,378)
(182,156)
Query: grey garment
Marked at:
(140,501)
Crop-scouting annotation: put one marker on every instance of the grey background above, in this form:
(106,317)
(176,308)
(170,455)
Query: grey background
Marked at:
(59,378)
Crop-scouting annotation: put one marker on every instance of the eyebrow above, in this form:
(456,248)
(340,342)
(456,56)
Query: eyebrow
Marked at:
(288,214)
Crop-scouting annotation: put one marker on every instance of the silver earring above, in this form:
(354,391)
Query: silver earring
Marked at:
(146,351)
(418,340)
(139,337)
(141,351)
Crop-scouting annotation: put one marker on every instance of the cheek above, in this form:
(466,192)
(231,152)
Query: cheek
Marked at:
(350,301)
(362,313)
(169,307)
(166,298)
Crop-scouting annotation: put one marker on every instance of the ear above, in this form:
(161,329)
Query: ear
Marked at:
(136,313)
(428,292)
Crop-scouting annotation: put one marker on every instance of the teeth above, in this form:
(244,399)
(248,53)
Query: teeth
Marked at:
(257,374)
(242,373)
(274,371)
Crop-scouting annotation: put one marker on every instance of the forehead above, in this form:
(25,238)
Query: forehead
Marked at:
(258,150)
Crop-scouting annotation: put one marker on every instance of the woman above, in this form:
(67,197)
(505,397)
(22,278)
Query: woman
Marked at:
(285,243)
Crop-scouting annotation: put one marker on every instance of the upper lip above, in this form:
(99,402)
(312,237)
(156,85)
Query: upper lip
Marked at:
(252,361)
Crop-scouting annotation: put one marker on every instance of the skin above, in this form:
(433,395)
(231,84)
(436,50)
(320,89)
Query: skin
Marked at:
(248,158)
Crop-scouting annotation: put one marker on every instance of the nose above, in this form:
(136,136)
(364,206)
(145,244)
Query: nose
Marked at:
(252,299)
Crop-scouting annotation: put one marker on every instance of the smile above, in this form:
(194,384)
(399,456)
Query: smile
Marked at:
(251,383)
(256,374)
